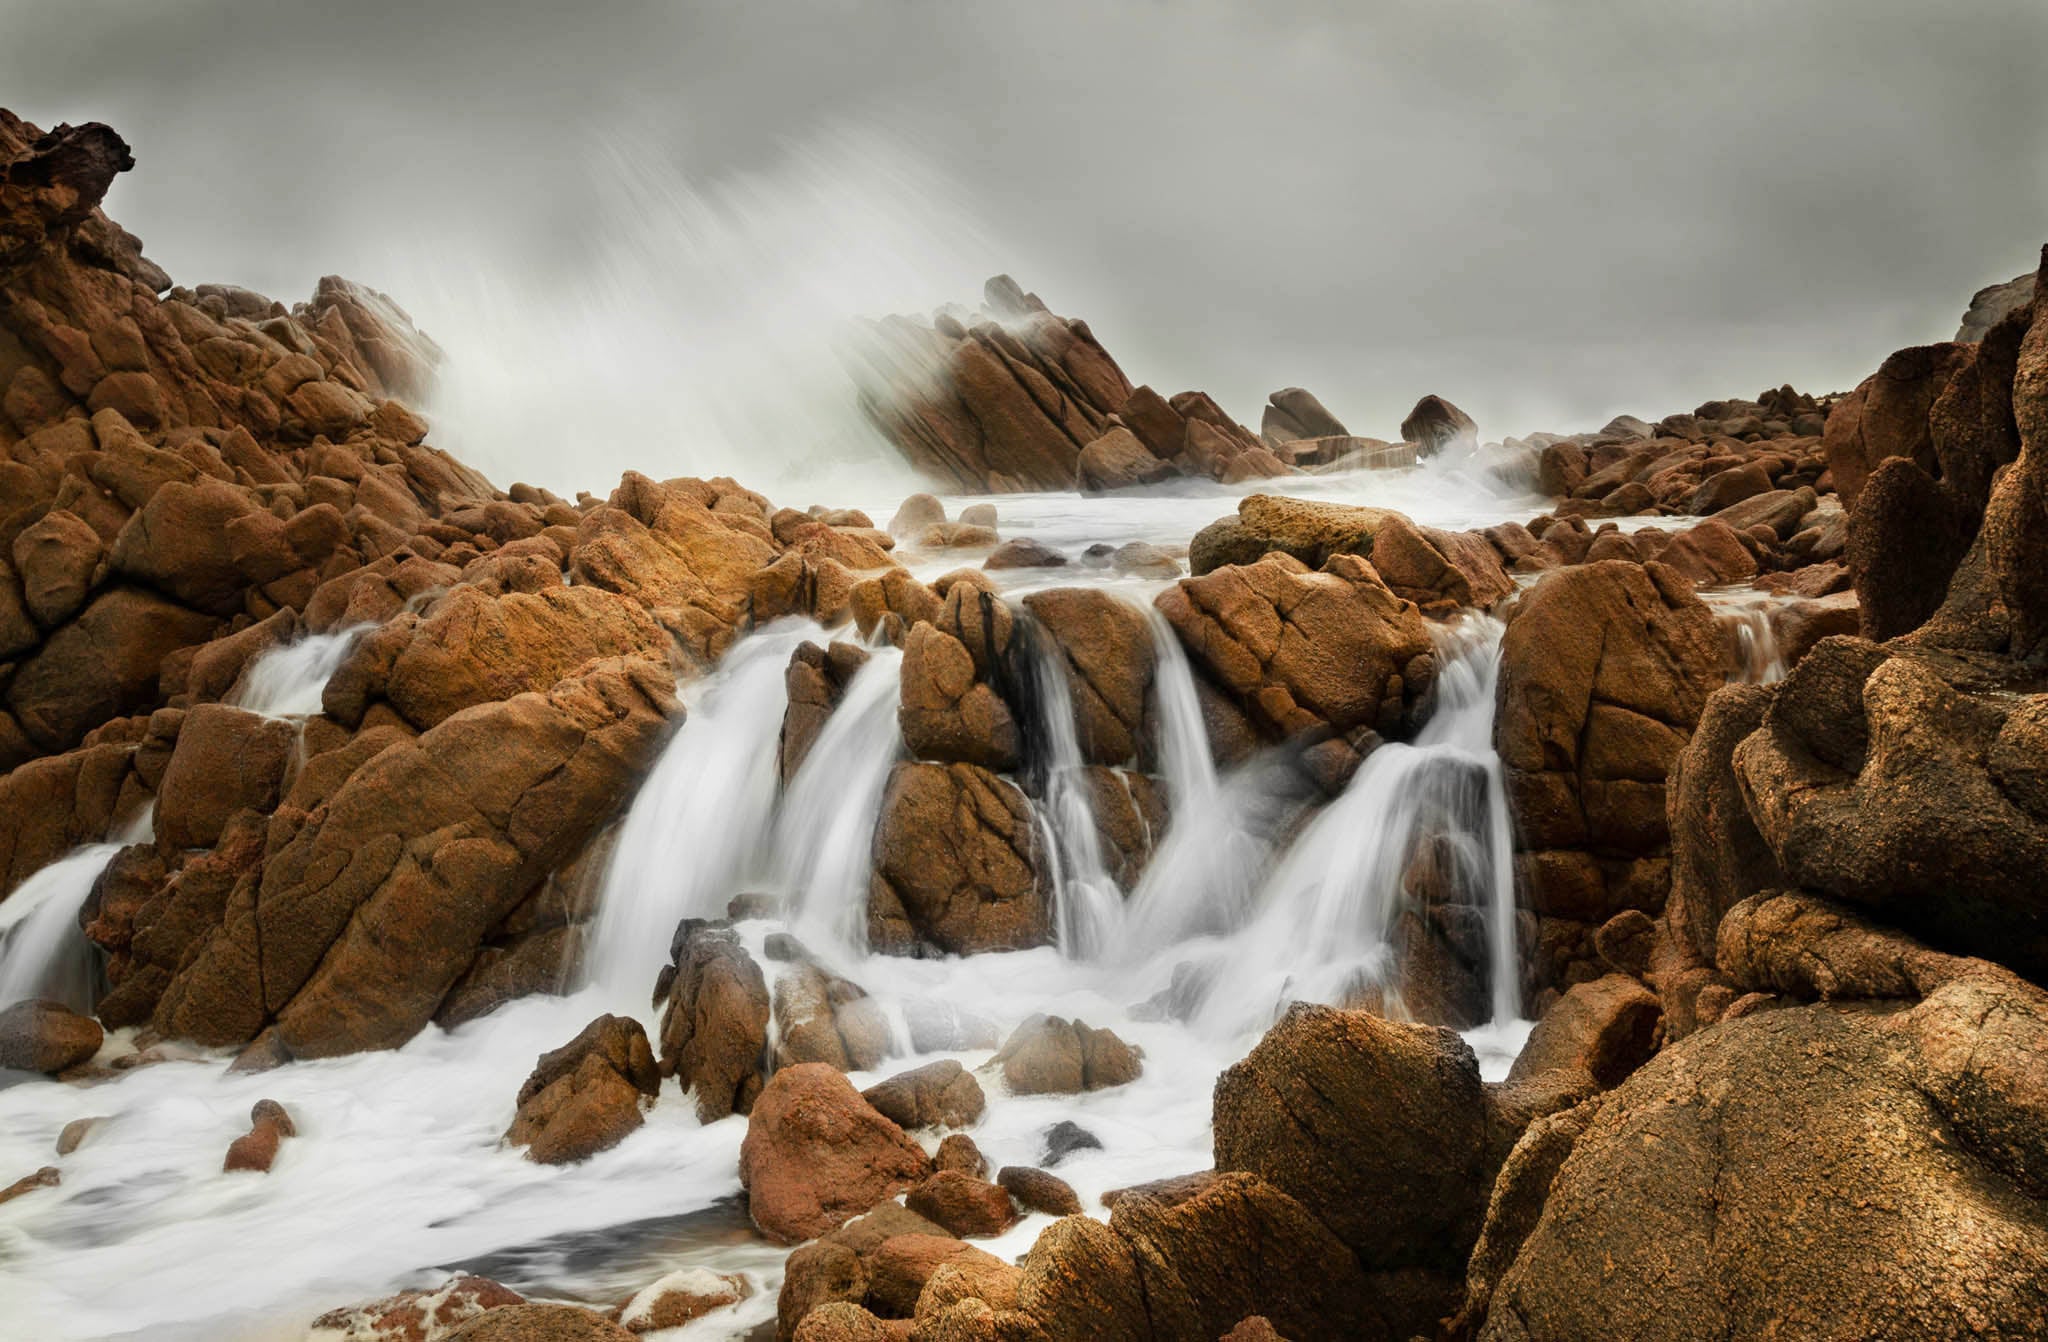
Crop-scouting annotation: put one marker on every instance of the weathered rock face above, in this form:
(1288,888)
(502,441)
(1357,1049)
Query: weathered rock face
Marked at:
(1991,304)
(714,1020)
(1907,786)
(1105,646)
(816,1154)
(816,679)
(1908,1146)
(1293,413)
(1605,670)
(1332,651)
(440,836)
(586,1096)
(820,1017)
(957,864)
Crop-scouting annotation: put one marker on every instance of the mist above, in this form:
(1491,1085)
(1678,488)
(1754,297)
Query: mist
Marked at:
(640,229)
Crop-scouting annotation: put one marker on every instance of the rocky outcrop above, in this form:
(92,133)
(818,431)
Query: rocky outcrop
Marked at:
(1909,1142)
(1605,670)
(816,1154)
(1991,304)
(586,1096)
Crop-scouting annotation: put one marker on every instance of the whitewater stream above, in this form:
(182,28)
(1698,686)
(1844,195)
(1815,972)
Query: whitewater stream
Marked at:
(397,1175)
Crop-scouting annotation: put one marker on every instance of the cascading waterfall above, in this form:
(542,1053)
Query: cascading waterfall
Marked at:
(1087,906)
(824,833)
(42,952)
(1759,660)
(1322,926)
(288,681)
(700,824)
(1220,831)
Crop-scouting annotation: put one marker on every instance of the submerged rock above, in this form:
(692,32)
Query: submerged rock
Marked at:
(427,1315)
(256,1149)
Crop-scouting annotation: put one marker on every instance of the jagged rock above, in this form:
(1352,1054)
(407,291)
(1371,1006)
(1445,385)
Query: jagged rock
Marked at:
(1049,1055)
(44,1036)
(714,1022)
(938,1094)
(1435,425)
(1293,413)
(586,1096)
(957,864)
(256,1150)
(948,714)
(416,1316)
(1991,304)
(1117,460)
(816,1154)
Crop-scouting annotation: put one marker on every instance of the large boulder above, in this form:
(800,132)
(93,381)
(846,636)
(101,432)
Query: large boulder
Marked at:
(1382,1131)
(1605,670)
(101,665)
(714,1020)
(817,1154)
(586,1096)
(371,905)
(948,712)
(1333,650)
(1809,1172)
(1435,425)
(226,760)
(1106,649)
(44,1036)
(958,864)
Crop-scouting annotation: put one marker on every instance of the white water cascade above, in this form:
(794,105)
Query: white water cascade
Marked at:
(1759,660)
(700,824)
(287,681)
(1087,906)
(824,833)
(42,952)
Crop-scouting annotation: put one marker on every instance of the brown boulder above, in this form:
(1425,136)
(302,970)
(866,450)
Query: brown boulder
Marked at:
(963,1204)
(586,1096)
(947,713)
(1024,552)
(1440,571)
(1817,1172)
(1117,460)
(1106,650)
(102,665)
(1333,649)
(938,1094)
(714,1023)
(820,1017)
(680,1297)
(1592,1038)
(44,1036)
(957,864)
(816,1154)
(1039,1190)
(57,559)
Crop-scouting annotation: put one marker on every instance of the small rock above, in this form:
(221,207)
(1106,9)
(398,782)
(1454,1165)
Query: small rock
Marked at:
(1139,559)
(40,1035)
(963,1204)
(540,1323)
(1039,1190)
(955,536)
(1064,1138)
(74,1134)
(816,1154)
(938,1094)
(256,1149)
(46,1177)
(917,512)
(958,1152)
(587,1095)
(683,1295)
(979,515)
(1024,553)
(1626,940)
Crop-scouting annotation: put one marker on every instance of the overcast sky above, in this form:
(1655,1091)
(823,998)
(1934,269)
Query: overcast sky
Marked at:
(1549,214)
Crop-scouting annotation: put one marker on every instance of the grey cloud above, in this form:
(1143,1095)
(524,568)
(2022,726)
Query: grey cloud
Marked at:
(1549,213)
